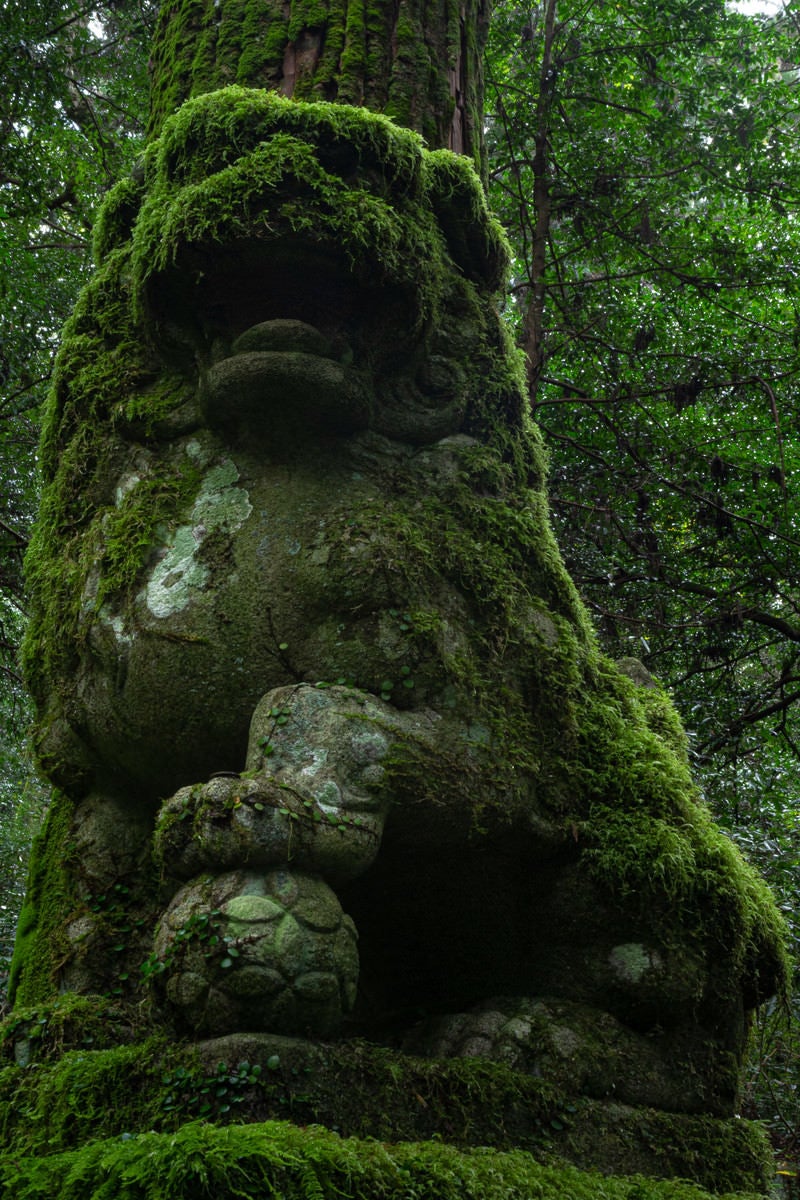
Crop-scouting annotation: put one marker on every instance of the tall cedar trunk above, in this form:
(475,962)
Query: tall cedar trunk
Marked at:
(420,63)
(533,326)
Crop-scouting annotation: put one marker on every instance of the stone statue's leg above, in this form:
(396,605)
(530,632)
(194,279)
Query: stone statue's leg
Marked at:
(588,1052)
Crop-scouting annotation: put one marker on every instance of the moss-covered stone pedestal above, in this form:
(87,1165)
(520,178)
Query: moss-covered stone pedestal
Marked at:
(267,1115)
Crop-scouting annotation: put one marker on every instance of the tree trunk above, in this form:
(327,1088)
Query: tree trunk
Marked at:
(419,63)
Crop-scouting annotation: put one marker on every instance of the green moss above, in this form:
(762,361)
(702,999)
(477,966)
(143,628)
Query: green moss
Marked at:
(142,1095)
(475,235)
(281,1160)
(257,153)
(129,531)
(100,359)
(146,408)
(305,15)
(84,1094)
(41,941)
(325,78)
(57,896)
(662,718)
(116,534)
(103,374)
(44,1032)
(115,219)
(264,38)
(650,836)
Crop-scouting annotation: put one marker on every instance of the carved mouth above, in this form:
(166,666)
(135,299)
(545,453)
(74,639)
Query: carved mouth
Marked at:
(284,338)
(211,297)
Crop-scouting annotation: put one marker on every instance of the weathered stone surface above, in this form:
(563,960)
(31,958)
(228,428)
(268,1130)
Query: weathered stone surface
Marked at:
(585,1051)
(244,950)
(315,792)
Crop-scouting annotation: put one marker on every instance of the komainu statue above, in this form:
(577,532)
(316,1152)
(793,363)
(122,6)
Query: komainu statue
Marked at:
(337,759)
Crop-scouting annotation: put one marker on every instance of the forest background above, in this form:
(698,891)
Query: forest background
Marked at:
(644,157)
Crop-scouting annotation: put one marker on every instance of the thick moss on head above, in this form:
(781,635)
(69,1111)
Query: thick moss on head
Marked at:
(242,165)
(115,220)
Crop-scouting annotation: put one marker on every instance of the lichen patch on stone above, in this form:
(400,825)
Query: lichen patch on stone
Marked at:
(178,574)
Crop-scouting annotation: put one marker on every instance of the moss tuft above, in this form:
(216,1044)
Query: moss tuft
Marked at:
(41,941)
(125,1118)
(280,1160)
(44,1033)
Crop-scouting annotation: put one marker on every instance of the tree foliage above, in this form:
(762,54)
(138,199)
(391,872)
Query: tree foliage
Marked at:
(70,111)
(646,165)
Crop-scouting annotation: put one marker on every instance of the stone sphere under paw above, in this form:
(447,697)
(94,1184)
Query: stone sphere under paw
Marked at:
(260,951)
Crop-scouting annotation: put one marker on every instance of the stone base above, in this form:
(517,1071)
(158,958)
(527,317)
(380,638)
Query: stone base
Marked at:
(62,1092)
(362,1090)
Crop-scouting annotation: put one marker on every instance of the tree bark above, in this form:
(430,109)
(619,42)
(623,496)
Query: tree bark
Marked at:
(419,63)
(533,329)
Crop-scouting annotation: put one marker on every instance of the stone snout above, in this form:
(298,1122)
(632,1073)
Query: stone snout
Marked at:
(255,937)
(281,371)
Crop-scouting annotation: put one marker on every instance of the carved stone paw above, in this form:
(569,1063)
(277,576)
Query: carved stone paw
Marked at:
(586,1051)
(311,798)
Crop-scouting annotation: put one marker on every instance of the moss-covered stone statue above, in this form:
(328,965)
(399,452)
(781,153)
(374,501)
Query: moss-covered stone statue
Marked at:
(345,792)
